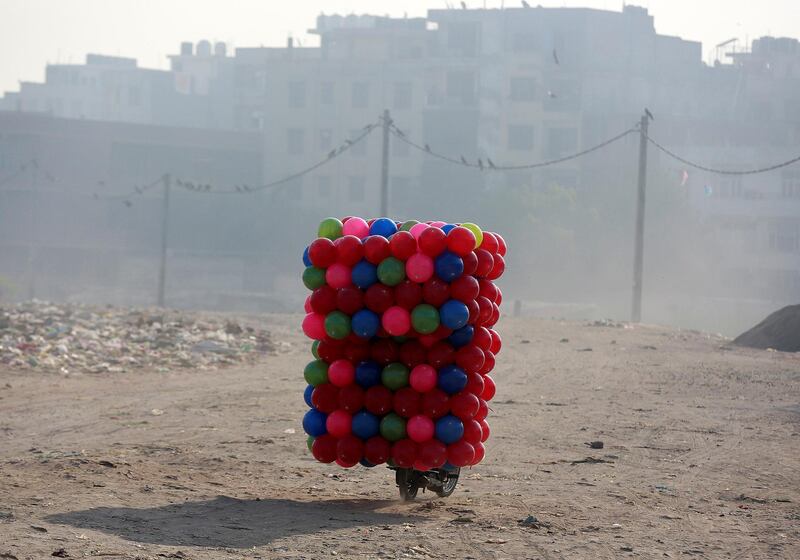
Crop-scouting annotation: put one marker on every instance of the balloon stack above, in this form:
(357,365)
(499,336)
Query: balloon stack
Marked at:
(402,317)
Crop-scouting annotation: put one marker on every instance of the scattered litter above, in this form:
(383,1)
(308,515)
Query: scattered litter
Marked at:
(38,529)
(594,444)
(156,412)
(590,460)
(289,431)
(60,553)
(533,523)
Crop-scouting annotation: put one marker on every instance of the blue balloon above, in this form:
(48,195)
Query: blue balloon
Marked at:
(365,323)
(368,374)
(364,274)
(365,463)
(306,259)
(314,423)
(447,227)
(384,227)
(449,429)
(365,425)
(448,266)
(463,336)
(448,467)
(307,395)
(454,314)
(452,379)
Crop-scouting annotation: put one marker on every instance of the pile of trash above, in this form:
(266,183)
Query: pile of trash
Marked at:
(71,338)
(779,331)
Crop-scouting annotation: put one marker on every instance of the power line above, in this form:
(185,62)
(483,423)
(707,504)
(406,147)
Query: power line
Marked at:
(701,167)
(489,165)
(245,189)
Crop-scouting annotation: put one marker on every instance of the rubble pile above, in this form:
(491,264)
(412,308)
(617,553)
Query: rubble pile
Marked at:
(71,338)
(779,331)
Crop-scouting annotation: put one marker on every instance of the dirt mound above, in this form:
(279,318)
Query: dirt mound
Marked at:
(781,331)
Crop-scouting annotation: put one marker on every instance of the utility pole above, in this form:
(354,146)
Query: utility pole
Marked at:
(385,165)
(638,255)
(162,271)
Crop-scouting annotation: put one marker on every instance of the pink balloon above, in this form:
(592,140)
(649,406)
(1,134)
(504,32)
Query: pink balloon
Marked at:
(419,267)
(420,428)
(417,229)
(339,423)
(356,226)
(314,326)
(307,305)
(396,321)
(422,379)
(338,276)
(438,224)
(341,373)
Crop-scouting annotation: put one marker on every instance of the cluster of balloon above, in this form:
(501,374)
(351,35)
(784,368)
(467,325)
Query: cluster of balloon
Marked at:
(402,317)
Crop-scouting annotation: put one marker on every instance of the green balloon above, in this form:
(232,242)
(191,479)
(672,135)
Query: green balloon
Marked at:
(314,347)
(316,373)
(330,228)
(310,442)
(408,224)
(337,325)
(391,271)
(476,231)
(393,428)
(395,376)
(313,277)
(425,318)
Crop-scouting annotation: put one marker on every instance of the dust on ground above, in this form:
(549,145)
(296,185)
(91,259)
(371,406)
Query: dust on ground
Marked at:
(700,458)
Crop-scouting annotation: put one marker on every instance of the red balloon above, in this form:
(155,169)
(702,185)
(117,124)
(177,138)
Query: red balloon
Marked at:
(474,311)
(475,384)
(396,320)
(489,242)
(435,404)
(432,241)
(385,351)
(378,400)
(464,405)
(322,252)
(324,448)
(485,262)
(485,431)
(435,291)
(433,453)
(402,245)
(341,373)
(349,250)
(350,449)
(470,358)
(412,353)
(464,288)
(323,299)
(488,289)
(378,298)
(488,363)
(498,268)
(408,294)
(484,309)
(351,398)
(441,354)
(338,423)
(501,244)
(420,428)
(376,248)
(329,352)
(494,317)
(489,388)
(470,263)
(377,450)
(497,342)
(404,453)
(460,241)
(406,402)
(423,378)
(307,305)
(483,410)
(356,351)
(345,465)
(325,398)
(499,299)
(482,338)
(480,453)
(460,453)
(349,300)
(472,431)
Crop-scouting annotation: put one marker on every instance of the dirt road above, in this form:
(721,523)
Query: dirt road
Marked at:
(701,459)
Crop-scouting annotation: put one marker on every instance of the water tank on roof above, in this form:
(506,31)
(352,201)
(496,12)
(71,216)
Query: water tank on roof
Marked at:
(186,48)
(220,49)
(203,48)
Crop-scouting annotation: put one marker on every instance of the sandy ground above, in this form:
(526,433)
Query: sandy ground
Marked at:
(701,459)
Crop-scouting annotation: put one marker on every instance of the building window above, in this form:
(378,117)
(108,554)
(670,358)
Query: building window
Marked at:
(790,184)
(359,148)
(360,95)
(325,139)
(562,142)
(520,137)
(324,186)
(462,38)
(357,189)
(523,42)
(326,93)
(523,89)
(729,188)
(295,141)
(402,95)
(784,236)
(461,86)
(297,95)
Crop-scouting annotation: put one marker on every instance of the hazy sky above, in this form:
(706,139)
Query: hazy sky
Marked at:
(35,32)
